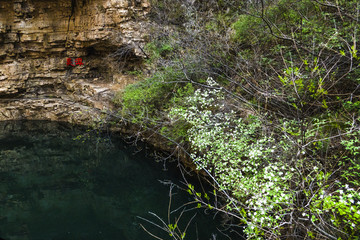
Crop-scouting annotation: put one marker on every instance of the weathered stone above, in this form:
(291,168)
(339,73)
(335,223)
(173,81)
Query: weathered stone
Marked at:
(38,36)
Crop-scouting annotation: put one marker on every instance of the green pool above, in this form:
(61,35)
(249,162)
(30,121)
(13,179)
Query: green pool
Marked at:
(58,181)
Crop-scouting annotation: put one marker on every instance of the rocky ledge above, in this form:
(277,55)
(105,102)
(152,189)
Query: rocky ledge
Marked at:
(63,60)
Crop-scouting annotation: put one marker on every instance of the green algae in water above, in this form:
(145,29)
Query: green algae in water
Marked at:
(55,187)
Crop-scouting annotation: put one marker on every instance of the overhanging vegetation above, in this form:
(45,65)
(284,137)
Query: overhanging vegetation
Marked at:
(264,97)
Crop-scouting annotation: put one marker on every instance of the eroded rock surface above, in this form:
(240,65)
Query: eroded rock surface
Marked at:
(38,36)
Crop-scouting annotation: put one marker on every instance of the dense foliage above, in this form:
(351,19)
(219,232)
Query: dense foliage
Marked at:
(264,96)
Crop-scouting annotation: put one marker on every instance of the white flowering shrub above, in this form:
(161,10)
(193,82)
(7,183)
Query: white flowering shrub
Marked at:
(240,157)
(268,184)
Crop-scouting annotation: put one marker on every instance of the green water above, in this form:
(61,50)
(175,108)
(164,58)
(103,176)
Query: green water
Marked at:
(55,187)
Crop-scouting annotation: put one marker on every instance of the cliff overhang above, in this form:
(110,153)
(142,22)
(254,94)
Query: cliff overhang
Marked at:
(37,39)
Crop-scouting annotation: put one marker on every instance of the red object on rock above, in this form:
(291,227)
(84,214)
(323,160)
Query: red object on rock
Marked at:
(78,61)
(69,62)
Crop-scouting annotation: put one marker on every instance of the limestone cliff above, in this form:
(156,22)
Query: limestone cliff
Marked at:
(37,37)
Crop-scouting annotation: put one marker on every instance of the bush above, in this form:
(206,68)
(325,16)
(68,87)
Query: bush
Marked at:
(275,124)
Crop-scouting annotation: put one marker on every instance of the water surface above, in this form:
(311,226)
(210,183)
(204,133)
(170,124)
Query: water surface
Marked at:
(55,187)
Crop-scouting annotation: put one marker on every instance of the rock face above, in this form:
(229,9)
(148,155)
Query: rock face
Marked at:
(40,40)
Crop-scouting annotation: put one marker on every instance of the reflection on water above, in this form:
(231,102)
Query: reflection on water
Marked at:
(55,187)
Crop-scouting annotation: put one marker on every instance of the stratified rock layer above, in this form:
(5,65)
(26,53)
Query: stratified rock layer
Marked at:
(38,36)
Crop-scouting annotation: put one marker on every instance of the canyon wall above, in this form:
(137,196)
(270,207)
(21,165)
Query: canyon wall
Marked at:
(63,60)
